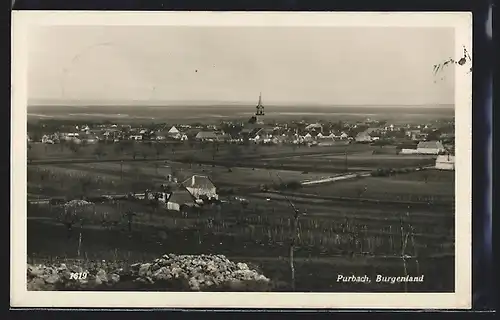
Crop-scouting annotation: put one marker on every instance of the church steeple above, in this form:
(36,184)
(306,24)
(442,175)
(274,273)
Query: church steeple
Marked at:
(259,107)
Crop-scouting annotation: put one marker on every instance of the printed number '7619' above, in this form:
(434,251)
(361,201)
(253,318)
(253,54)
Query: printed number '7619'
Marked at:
(78,275)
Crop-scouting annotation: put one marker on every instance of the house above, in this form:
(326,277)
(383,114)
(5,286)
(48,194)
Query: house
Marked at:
(408,151)
(430,147)
(445,162)
(173,131)
(223,136)
(160,136)
(68,135)
(88,138)
(135,137)
(192,133)
(363,137)
(416,135)
(263,134)
(314,127)
(180,197)
(250,132)
(47,139)
(206,136)
(201,187)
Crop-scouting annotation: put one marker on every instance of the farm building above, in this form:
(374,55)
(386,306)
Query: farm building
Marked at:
(200,187)
(363,137)
(173,131)
(206,136)
(445,162)
(178,198)
(430,147)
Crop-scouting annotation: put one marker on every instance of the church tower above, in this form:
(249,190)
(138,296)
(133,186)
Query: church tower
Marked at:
(259,107)
(256,119)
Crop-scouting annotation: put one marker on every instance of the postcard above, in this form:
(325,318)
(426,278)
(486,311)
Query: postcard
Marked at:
(241,160)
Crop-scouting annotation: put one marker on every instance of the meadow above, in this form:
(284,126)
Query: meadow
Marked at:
(342,228)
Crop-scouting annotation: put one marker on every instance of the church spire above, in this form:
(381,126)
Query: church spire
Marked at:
(260,107)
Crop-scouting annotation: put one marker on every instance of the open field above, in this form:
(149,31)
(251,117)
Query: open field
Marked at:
(318,161)
(331,236)
(198,150)
(335,236)
(427,185)
(113,177)
(126,150)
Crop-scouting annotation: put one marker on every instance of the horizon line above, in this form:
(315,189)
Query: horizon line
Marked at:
(139,104)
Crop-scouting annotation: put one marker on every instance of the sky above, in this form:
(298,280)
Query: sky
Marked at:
(199,65)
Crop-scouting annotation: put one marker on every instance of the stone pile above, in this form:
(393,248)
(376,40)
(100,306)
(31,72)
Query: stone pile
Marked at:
(169,273)
(73,277)
(201,272)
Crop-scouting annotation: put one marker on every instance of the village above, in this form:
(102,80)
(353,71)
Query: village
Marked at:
(233,183)
(435,139)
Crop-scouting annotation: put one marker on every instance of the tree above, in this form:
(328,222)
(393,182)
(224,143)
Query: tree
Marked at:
(119,148)
(73,213)
(73,146)
(234,152)
(85,184)
(425,176)
(159,149)
(361,190)
(99,151)
(130,219)
(189,158)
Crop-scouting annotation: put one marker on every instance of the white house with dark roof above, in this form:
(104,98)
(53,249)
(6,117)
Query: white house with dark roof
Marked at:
(200,187)
(430,147)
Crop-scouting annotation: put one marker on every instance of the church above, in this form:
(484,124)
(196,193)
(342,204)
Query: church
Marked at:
(255,123)
(256,119)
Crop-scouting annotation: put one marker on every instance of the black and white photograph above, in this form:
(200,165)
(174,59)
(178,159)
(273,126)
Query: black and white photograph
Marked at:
(233,153)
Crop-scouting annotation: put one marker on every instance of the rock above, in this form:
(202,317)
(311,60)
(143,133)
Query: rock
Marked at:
(113,278)
(180,272)
(51,279)
(242,266)
(62,267)
(101,276)
(76,269)
(162,274)
(145,270)
(34,271)
(194,284)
